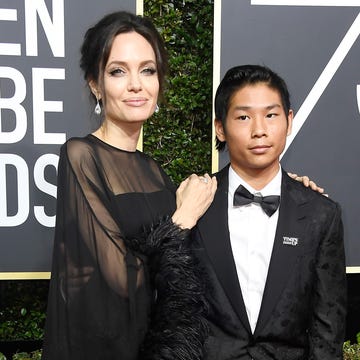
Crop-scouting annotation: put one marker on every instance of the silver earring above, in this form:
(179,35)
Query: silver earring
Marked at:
(97,109)
(157,109)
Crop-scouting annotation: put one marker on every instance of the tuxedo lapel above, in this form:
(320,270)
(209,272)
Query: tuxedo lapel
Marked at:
(286,249)
(214,231)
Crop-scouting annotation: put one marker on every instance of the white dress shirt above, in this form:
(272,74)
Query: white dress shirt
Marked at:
(252,235)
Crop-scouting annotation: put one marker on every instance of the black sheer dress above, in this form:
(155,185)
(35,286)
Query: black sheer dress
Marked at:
(124,284)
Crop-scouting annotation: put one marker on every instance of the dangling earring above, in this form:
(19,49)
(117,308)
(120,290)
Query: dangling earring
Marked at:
(157,109)
(97,109)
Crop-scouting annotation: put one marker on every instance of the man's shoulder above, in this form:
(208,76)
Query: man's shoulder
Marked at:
(223,173)
(306,194)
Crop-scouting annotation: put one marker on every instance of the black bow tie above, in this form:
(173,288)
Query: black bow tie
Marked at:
(268,203)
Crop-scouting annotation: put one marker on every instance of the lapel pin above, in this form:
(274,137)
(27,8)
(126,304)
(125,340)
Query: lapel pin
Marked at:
(293,241)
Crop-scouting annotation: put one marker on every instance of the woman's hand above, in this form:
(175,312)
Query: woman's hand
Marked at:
(193,198)
(307,182)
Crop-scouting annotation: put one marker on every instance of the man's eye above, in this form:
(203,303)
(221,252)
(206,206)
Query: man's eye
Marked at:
(270,116)
(243,117)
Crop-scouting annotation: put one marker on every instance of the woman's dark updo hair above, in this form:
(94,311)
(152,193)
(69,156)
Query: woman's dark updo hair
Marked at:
(98,41)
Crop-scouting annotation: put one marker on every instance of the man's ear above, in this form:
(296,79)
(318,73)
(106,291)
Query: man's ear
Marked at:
(290,119)
(219,130)
(94,89)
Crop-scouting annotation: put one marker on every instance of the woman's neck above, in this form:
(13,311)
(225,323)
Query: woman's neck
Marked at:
(122,137)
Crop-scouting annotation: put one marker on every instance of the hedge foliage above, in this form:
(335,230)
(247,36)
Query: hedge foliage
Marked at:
(179,136)
(22,311)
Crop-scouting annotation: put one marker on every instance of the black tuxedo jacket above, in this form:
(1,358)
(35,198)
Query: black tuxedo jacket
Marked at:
(303,310)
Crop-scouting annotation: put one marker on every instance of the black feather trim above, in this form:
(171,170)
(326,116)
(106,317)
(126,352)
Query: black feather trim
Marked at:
(178,328)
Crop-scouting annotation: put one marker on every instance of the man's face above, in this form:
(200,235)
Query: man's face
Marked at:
(255,129)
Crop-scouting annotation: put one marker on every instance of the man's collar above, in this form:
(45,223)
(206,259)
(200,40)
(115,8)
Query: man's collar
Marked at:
(272,188)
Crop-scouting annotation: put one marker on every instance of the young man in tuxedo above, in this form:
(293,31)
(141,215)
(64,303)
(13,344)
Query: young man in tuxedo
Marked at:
(273,248)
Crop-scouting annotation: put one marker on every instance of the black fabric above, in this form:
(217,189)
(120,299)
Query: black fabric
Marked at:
(303,308)
(117,259)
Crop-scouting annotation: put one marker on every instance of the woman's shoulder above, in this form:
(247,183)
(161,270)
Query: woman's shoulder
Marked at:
(78,143)
(77,149)
(152,163)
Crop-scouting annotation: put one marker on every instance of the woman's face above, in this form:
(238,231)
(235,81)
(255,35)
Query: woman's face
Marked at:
(131,83)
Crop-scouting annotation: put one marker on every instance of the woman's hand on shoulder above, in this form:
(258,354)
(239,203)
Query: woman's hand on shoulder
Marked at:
(193,197)
(307,182)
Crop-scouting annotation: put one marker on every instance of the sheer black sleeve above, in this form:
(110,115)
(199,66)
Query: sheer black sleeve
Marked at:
(90,314)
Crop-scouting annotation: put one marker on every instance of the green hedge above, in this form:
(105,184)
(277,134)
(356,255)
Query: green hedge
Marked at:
(23,307)
(179,136)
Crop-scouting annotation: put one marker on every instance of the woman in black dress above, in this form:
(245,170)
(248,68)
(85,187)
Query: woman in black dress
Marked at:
(124,284)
